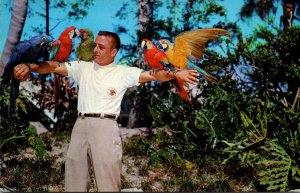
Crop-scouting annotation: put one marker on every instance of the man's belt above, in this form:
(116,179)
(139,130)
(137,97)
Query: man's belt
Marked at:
(100,115)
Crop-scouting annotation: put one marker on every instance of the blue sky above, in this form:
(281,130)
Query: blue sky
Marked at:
(101,16)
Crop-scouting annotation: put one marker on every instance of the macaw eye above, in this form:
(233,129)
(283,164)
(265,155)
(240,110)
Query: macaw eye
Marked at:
(44,38)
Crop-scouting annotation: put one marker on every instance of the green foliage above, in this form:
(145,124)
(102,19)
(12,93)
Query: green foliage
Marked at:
(274,54)
(36,143)
(14,137)
(11,134)
(210,126)
(277,168)
(262,8)
(175,121)
(251,135)
(33,175)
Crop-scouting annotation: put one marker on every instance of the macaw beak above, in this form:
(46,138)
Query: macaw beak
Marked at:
(143,44)
(159,46)
(77,33)
(42,44)
(81,36)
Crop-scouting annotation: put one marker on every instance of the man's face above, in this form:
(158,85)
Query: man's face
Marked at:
(104,53)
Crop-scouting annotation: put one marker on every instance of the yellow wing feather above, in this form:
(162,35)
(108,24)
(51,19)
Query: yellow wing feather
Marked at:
(192,43)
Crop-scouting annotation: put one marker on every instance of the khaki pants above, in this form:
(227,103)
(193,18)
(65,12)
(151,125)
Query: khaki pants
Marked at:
(95,143)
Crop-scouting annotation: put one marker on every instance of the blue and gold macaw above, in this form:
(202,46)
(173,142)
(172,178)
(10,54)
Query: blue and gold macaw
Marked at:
(190,46)
(27,51)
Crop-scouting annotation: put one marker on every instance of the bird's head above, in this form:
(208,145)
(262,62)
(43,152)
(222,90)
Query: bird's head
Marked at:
(71,32)
(41,41)
(85,33)
(147,44)
(164,44)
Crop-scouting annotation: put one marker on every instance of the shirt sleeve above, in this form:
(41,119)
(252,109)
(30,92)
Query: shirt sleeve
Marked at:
(132,76)
(75,69)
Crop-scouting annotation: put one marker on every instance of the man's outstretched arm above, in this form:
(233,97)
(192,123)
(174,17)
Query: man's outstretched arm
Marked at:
(185,76)
(22,71)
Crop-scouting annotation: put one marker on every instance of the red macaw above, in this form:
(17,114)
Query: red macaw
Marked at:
(190,45)
(62,48)
(157,59)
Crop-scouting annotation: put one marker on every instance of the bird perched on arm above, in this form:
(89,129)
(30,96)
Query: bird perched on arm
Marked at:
(85,49)
(27,51)
(157,59)
(190,46)
(62,48)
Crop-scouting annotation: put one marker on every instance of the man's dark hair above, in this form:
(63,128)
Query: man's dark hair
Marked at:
(115,37)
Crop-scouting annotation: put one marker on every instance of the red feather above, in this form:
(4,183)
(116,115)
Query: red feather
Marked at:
(181,91)
(64,44)
(154,57)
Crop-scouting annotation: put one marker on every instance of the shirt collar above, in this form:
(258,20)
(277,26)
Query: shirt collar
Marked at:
(109,66)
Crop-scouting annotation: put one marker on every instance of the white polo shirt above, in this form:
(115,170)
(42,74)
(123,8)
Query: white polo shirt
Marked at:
(101,88)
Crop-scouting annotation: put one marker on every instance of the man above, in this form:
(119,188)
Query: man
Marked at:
(95,140)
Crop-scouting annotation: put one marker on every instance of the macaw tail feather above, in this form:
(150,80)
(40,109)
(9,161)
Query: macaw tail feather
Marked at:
(56,93)
(202,73)
(6,76)
(14,92)
(210,78)
(181,91)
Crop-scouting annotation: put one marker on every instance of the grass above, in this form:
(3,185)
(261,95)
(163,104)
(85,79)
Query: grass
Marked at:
(201,173)
(32,175)
(26,173)
(158,173)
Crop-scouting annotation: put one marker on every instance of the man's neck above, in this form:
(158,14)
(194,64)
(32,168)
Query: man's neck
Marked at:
(105,64)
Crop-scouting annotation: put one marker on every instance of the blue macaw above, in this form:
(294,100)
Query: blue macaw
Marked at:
(27,51)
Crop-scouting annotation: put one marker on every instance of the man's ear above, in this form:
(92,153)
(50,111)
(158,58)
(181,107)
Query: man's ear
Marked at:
(114,52)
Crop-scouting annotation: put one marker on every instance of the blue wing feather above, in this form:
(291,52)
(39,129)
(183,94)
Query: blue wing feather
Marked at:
(202,72)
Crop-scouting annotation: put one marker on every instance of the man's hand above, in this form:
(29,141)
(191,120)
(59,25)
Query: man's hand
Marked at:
(186,76)
(21,72)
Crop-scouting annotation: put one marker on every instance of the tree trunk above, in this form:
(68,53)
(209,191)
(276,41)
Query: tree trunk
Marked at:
(145,14)
(287,16)
(17,21)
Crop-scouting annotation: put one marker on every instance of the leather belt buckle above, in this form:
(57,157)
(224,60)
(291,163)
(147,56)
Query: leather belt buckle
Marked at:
(81,115)
(102,115)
